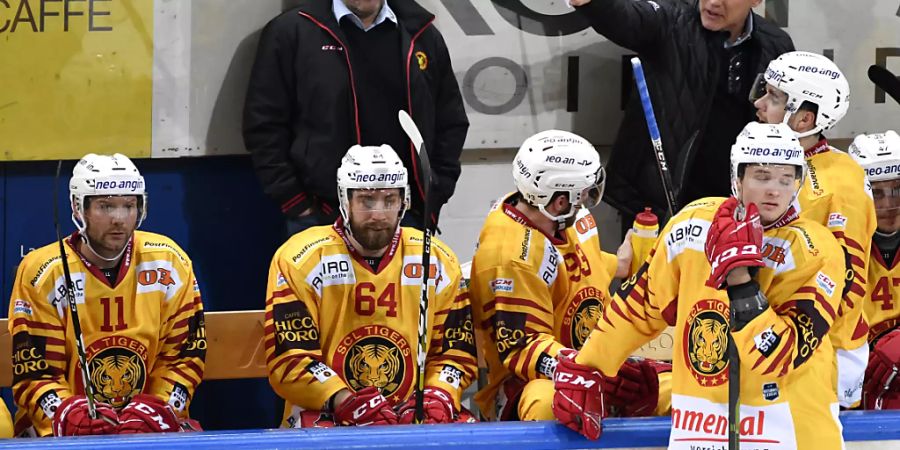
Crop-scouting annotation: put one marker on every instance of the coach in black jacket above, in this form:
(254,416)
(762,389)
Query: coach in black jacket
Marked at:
(700,59)
(319,86)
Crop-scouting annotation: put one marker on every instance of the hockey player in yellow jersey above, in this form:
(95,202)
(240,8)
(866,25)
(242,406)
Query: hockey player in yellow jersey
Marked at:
(139,309)
(342,310)
(539,282)
(783,280)
(808,92)
(879,156)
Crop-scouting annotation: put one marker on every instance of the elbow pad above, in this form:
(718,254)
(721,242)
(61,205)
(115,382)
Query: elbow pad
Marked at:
(747,302)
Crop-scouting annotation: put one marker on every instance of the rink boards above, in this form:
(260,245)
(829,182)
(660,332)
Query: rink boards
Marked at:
(879,430)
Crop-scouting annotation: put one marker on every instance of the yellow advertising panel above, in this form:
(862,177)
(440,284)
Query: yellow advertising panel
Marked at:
(77,77)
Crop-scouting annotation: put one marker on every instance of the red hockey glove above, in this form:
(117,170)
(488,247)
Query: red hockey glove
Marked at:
(578,400)
(366,407)
(883,372)
(72,418)
(733,243)
(634,392)
(437,407)
(148,414)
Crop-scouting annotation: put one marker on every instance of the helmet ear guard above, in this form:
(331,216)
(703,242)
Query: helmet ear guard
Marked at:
(558,161)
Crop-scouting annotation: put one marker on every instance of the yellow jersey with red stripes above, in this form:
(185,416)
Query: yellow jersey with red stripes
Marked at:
(143,332)
(534,294)
(787,390)
(837,195)
(882,305)
(333,321)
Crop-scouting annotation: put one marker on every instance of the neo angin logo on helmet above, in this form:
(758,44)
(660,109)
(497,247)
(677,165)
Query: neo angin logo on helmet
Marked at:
(833,74)
(391,178)
(774,76)
(122,185)
(885,170)
(785,153)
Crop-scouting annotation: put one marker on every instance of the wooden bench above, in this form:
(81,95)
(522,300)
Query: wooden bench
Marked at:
(234,339)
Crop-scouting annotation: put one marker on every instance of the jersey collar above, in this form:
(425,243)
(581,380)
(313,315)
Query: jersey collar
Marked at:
(94,270)
(820,147)
(385,259)
(514,214)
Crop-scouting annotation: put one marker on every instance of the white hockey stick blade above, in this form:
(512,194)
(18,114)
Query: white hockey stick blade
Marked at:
(411,129)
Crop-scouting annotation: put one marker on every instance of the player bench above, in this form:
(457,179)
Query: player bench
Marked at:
(234,339)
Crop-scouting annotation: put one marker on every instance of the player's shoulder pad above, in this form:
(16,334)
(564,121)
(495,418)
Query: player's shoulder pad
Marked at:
(39,262)
(413,237)
(303,245)
(809,241)
(702,204)
(147,243)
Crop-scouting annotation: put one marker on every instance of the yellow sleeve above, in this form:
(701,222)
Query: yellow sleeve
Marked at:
(297,369)
(179,365)
(452,362)
(6,425)
(517,307)
(786,335)
(38,350)
(852,223)
(636,314)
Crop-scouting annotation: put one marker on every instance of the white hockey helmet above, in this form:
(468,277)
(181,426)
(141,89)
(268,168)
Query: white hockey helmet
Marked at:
(105,175)
(558,161)
(878,154)
(810,77)
(761,143)
(371,167)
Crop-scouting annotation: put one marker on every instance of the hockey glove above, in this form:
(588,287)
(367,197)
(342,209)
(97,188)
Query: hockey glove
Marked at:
(148,414)
(732,242)
(634,392)
(72,418)
(882,377)
(437,407)
(578,396)
(366,407)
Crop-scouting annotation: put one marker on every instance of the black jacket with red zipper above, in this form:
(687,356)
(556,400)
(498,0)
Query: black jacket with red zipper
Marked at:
(301,112)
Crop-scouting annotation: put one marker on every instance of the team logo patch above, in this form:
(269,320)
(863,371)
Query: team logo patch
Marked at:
(583,312)
(770,391)
(706,342)
(117,368)
(375,355)
(422,59)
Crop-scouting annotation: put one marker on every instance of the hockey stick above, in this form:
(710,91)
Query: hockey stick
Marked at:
(409,126)
(885,80)
(655,138)
(73,307)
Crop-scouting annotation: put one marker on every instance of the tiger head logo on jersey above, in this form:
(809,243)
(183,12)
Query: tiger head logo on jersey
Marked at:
(117,368)
(375,355)
(581,315)
(116,378)
(706,342)
(374,365)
